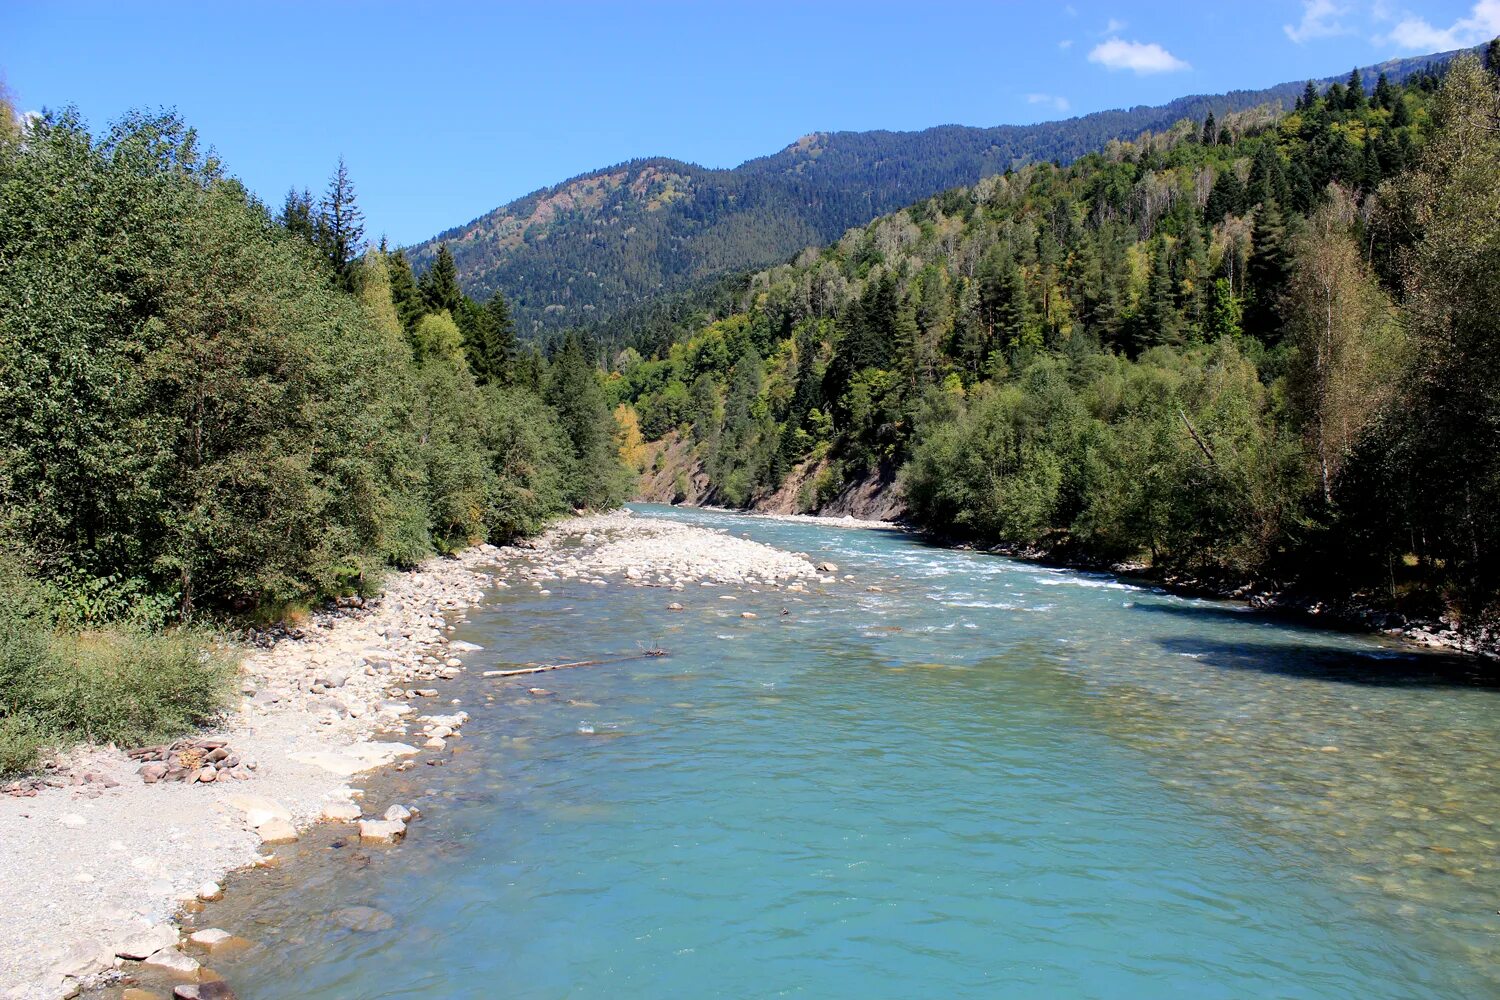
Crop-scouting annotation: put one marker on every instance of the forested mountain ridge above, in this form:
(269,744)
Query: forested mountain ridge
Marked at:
(584,250)
(1260,348)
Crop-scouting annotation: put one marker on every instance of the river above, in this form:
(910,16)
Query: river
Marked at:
(985,778)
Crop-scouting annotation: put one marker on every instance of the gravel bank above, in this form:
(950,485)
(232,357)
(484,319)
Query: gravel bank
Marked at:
(651,552)
(96,864)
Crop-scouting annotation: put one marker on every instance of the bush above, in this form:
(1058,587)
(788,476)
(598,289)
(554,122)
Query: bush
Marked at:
(119,683)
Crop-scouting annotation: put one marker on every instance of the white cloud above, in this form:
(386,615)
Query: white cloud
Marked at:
(1066,43)
(1418,34)
(1051,100)
(1320,19)
(1138,57)
(1114,26)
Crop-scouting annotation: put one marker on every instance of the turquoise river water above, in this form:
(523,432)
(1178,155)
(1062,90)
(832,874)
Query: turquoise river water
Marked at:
(987,779)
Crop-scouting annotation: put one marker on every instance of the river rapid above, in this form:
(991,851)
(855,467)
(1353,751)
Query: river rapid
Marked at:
(956,775)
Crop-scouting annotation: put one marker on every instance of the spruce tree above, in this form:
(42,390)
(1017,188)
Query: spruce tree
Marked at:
(1267,273)
(1210,130)
(298,216)
(490,340)
(1309,98)
(340,225)
(1354,92)
(404,292)
(1383,93)
(1158,320)
(439,284)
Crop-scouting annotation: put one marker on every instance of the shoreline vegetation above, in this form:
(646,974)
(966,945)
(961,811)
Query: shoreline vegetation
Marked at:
(214,414)
(1262,349)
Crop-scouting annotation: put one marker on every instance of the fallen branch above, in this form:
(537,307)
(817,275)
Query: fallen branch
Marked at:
(544,667)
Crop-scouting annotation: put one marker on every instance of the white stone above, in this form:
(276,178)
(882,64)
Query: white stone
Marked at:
(381,831)
(148,942)
(174,961)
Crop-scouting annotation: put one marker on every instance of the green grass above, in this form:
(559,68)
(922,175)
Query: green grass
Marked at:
(117,683)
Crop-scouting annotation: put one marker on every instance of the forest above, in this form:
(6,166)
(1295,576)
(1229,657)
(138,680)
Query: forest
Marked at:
(213,413)
(1258,349)
(599,247)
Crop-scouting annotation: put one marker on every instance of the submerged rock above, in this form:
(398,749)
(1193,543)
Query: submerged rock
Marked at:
(364,919)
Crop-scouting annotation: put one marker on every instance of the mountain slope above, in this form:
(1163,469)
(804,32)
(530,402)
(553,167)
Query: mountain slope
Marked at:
(598,244)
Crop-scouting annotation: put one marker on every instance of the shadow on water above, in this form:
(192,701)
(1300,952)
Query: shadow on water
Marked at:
(1377,668)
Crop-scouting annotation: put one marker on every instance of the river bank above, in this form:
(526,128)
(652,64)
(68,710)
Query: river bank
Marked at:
(103,851)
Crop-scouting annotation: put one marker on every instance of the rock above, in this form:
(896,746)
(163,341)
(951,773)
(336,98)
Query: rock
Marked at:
(258,809)
(210,891)
(174,961)
(208,774)
(276,831)
(355,757)
(209,937)
(364,919)
(436,743)
(748,614)
(827,567)
(674,606)
(381,831)
(152,773)
(341,812)
(397,813)
(148,943)
(215,989)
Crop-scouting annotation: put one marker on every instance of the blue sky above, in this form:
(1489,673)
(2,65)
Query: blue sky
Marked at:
(445,112)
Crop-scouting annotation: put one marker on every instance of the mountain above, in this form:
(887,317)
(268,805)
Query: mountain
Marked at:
(592,247)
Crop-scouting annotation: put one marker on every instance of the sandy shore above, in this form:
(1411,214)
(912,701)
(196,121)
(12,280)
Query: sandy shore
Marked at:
(94,871)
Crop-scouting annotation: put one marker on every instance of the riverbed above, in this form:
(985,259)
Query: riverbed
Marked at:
(925,773)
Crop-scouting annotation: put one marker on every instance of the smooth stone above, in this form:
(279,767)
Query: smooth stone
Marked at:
(258,808)
(381,831)
(276,831)
(209,937)
(341,812)
(210,891)
(436,743)
(397,813)
(364,919)
(174,961)
(148,942)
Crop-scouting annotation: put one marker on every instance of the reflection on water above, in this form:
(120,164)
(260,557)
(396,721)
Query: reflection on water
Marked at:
(986,778)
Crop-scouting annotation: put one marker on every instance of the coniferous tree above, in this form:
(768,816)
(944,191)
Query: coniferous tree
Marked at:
(439,284)
(490,340)
(1354,92)
(1384,95)
(404,292)
(1267,272)
(340,225)
(1210,130)
(1158,319)
(299,217)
